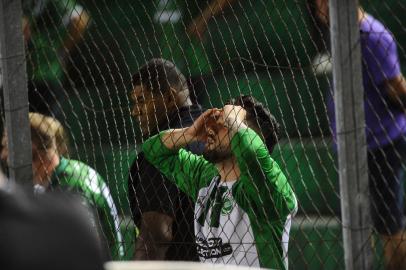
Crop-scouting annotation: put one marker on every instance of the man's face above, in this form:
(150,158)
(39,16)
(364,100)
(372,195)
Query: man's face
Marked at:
(218,145)
(39,168)
(149,109)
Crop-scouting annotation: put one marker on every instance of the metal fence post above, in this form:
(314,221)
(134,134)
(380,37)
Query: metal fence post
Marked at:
(15,91)
(352,151)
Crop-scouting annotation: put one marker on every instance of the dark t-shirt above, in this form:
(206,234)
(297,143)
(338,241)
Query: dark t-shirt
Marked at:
(149,191)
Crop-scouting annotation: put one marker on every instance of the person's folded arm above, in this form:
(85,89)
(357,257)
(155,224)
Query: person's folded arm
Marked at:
(262,181)
(188,171)
(397,90)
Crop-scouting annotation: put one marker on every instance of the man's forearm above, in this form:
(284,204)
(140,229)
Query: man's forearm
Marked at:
(76,30)
(397,90)
(177,138)
(155,236)
(216,7)
(147,249)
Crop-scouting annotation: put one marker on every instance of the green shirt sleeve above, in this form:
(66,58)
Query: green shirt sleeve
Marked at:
(85,180)
(262,187)
(188,171)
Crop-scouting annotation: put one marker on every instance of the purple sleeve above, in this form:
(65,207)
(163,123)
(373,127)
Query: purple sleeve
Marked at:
(381,57)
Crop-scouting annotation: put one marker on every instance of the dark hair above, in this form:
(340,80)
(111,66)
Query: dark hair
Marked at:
(259,116)
(158,75)
(68,242)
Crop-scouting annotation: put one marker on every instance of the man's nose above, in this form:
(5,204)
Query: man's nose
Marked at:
(210,131)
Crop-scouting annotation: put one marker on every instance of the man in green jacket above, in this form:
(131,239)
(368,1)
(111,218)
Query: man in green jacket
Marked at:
(53,172)
(244,203)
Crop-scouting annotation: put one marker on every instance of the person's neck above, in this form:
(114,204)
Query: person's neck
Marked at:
(173,117)
(361,14)
(228,169)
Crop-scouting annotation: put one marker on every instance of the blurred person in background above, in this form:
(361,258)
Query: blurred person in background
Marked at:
(46,232)
(385,104)
(54,172)
(198,27)
(244,203)
(52,31)
(163,213)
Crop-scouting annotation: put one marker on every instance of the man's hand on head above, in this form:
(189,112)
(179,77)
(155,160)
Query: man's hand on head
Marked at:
(233,117)
(179,138)
(198,131)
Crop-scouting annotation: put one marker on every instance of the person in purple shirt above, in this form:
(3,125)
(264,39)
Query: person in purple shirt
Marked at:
(385,103)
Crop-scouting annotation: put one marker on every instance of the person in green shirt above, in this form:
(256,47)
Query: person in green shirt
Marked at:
(243,201)
(54,172)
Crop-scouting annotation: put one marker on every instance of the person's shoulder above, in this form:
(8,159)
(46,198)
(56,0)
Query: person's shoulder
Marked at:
(140,164)
(142,170)
(78,173)
(375,32)
(72,166)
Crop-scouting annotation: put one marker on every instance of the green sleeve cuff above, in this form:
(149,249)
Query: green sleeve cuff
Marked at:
(245,139)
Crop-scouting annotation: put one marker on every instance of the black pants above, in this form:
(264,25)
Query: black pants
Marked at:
(386,175)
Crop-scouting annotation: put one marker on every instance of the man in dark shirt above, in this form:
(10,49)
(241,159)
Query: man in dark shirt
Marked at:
(163,214)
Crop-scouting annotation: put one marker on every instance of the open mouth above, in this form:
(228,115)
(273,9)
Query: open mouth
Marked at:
(210,140)
(211,136)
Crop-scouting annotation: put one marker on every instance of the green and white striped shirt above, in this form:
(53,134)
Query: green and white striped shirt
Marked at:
(245,222)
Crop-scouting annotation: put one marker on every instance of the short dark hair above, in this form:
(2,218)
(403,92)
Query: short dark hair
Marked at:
(261,117)
(158,75)
(43,244)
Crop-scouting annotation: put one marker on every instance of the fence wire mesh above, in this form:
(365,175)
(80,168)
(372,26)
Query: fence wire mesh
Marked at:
(83,61)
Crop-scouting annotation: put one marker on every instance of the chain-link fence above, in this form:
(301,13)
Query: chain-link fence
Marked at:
(87,69)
